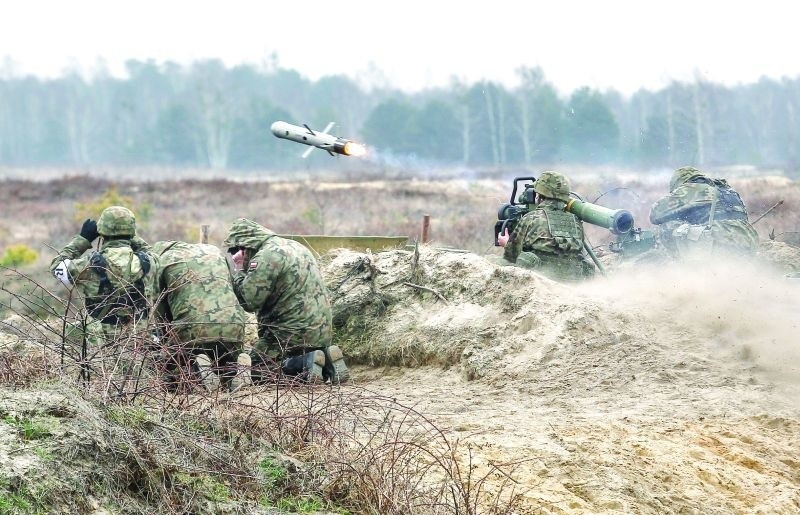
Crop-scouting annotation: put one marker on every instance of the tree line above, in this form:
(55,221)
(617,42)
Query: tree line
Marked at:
(209,115)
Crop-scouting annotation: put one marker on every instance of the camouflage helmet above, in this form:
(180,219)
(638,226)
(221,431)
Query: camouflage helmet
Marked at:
(246,233)
(683,175)
(116,221)
(552,185)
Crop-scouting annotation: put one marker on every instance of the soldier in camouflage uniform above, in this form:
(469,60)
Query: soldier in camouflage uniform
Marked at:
(202,313)
(117,281)
(279,281)
(548,239)
(702,216)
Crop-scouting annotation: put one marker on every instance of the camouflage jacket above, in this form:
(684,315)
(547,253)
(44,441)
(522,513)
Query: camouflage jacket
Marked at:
(551,240)
(703,201)
(282,284)
(117,282)
(197,293)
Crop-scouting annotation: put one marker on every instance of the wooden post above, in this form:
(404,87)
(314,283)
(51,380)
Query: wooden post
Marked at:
(204,233)
(426,224)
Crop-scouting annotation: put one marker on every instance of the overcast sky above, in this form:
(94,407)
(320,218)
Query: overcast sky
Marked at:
(418,43)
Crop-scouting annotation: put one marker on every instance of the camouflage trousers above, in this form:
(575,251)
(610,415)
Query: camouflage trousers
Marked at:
(269,345)
(177,360)
(268,355)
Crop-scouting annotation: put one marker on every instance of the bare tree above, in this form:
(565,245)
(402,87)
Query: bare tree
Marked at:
(493,132)
(670,126)
(530,78)
(215,110)
(698,103)
(77,119)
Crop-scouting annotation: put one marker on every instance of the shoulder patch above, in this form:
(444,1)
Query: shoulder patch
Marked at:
(253,265)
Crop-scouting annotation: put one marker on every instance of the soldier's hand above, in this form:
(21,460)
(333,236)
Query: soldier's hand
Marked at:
(89,230)
(238,260)
(502,239)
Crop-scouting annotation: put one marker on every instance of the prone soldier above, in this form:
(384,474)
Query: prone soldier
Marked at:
(702,216)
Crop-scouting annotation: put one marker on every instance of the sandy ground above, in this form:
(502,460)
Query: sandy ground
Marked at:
(666,390)
(720,449)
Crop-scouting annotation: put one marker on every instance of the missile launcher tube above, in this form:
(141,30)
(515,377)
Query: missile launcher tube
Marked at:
(618,221)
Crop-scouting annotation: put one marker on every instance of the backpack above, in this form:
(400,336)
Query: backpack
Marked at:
(118,301)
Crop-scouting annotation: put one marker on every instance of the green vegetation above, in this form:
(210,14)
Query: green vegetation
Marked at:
(273,472)
(29,428)
(14,503)
(93,208)
(206,485)
(43,454)
(22,501)
(128,416)
(18,255)
(299,504)
(276,480)
(295,504)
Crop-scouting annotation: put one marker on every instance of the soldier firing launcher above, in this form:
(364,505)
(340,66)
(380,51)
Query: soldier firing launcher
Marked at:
(630,241)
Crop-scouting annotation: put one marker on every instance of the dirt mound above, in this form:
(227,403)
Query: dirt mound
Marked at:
(655,389)
(454,308)
(783,256)
(393,308)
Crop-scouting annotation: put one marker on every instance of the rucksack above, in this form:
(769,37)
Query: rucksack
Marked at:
(118,303)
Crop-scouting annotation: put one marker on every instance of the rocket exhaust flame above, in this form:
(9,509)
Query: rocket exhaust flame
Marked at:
(354,149)
(307,136)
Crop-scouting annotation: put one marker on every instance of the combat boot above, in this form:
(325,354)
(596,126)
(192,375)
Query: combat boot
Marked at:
(205,370)
(307,366)
(243,366)
(335,369)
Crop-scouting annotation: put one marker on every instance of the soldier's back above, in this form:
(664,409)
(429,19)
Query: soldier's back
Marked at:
(196,284)
(299,305)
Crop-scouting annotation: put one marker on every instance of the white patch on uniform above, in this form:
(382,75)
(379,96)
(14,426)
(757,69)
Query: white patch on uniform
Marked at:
(253,265)
(62,273)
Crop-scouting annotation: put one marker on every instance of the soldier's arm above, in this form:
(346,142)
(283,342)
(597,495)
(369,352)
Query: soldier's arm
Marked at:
(254,285)
(66,266)
(514,245)
(679,203)
(665,209)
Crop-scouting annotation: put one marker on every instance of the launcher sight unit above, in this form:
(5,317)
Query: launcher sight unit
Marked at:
(512,211)
(630,241)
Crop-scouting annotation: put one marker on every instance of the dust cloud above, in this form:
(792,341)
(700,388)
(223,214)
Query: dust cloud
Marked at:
(743,312)
(656,389)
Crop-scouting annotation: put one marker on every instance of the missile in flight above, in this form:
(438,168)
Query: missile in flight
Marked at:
(327,142)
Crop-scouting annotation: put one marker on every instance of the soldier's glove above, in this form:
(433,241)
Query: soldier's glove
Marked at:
(89,230)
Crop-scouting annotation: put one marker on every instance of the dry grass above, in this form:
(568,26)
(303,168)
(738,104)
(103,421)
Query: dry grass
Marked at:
(125,442)
(112,433)
(462,211)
